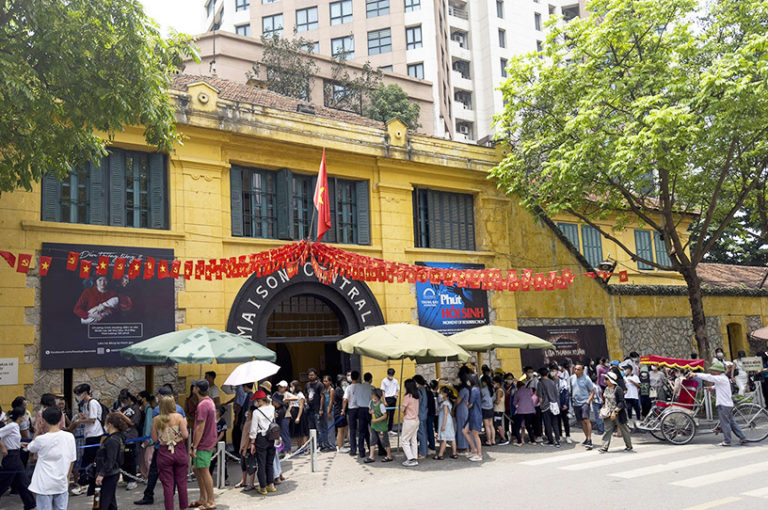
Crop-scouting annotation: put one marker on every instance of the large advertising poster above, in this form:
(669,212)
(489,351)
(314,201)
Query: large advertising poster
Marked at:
(448,308)
(87,319)
(573,343)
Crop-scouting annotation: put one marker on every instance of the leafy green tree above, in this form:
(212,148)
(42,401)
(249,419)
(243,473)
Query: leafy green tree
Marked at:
(654,110)
(288,66)
(390,101)
(744,242)
(72,68)
(350,90)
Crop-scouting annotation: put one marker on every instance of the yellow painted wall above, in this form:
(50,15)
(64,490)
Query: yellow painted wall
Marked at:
(506,235)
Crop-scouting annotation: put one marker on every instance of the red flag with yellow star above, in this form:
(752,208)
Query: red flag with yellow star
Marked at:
(103,265)
(322,201)
(45,265)
(162,269)
(85,268)
(134,268)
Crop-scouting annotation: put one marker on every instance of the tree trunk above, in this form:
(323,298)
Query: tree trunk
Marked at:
(698,319)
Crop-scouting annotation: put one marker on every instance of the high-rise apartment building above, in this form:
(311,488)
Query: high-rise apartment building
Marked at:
(461,46)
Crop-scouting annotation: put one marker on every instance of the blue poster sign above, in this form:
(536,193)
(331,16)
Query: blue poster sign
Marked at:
(448,308)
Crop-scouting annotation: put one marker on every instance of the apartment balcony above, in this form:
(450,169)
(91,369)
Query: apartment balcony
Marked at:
(462,52)
(458,12)
(458,18)
(461,81)
(462,111)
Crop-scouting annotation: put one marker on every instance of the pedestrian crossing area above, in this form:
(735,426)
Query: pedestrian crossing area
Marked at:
(692,468)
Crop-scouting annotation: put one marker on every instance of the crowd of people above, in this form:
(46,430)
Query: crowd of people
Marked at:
(149,437)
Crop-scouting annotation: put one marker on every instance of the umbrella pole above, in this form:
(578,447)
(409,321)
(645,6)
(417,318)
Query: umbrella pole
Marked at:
(479,361)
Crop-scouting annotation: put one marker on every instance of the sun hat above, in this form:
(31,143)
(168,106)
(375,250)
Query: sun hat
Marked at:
(717,366)
(266,385)
(612,377)
(259,395)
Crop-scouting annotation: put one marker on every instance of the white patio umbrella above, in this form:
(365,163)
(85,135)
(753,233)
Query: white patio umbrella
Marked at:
(251,372)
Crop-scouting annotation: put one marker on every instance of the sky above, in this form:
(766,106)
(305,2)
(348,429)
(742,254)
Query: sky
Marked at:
(180,15)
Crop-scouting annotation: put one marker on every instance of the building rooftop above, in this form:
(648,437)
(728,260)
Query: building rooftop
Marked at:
(242,93)
(727,275)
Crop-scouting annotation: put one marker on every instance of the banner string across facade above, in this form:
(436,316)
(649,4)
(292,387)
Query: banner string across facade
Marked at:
(327,261)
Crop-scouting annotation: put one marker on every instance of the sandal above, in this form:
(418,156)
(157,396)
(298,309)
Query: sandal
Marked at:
(248,488)
(603,450)
(454,456)
(724,444)
(195,504)
(387,459)
(437,457)
(239,485)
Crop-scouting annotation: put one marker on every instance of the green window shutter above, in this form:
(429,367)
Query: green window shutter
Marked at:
(51,199)
(117,188)
(571,232)
(236,200)
(330,235)
(470,207)
(97,193)
(157,192)
(662,257)
(592,245)
(643,248)
(363,213)
(433,220)
(283,202)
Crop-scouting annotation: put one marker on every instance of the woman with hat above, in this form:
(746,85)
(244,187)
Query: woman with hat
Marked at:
(263,448)
(614,413)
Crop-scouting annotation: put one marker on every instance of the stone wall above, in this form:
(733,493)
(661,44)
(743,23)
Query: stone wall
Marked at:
(665,336)
(530,322)
(753,322)
(106,383)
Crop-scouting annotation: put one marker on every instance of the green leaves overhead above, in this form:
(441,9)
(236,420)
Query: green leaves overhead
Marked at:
(70,68)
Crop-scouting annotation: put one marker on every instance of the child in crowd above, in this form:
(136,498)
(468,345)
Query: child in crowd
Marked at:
(247,459)
(379,432)
(446,432)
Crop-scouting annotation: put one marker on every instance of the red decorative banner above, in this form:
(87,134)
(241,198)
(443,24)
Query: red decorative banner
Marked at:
(119,271)
(103,265)
(25,260)
(72,258)
(85,268)
(45,265)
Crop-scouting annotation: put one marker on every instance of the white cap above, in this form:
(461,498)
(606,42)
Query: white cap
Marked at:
(284,384)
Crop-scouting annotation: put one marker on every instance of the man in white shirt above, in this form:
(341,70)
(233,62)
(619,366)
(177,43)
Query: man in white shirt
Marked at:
(91,418)
(56,455)
(632,395)
(213,390)
(723,401)
(350,409)
(390,387)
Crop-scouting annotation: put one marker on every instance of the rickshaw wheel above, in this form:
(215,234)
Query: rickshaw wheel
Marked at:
(678,427)
(752,420)
(658,435)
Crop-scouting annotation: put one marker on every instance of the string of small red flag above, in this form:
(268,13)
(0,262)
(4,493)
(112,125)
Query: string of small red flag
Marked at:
(328,262)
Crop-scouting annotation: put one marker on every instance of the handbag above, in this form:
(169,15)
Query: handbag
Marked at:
(554,408)
(604,413)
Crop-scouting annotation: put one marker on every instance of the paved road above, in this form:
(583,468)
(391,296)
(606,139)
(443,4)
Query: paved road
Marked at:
(695,477)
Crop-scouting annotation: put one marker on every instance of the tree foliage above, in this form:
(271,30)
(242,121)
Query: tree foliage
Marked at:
(654,110)
(390,101)
(72,68)
(348,89)
(288,66)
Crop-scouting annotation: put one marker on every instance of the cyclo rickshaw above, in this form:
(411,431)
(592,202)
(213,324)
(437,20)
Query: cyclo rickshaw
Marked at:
(691,407)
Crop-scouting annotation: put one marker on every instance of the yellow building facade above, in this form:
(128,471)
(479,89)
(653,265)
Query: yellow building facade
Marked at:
(232,135)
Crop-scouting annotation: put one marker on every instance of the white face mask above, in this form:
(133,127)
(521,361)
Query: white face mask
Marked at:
(553,373)
(349,378)
(720,355)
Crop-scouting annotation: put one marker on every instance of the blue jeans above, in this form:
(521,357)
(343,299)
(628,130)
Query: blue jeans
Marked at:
(423,437)
(599,427)
(431,432)
(52,501)
(326,437)
(285,433)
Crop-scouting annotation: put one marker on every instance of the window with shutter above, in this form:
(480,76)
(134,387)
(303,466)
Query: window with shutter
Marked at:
(125,189)
(284,204)
(443,220)
(643,248)
(236,200)
(363,213)
(571,232)
(662,257)
(592,245)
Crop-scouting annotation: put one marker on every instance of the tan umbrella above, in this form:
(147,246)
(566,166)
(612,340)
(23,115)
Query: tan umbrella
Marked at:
(485,338)
(400,341)
(760,334)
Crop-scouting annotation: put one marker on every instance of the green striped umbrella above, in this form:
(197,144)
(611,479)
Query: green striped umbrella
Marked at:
(201,345)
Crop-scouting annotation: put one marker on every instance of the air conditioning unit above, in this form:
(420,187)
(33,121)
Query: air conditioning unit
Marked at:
(459,38)
(463,129)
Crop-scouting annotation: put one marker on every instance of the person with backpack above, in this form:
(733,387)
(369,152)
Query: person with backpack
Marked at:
(169,432)
(263,434)
(109,458)
(92,417)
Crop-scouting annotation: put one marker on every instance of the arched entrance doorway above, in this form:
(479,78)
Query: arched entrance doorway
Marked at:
(302,319)
(737,340)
